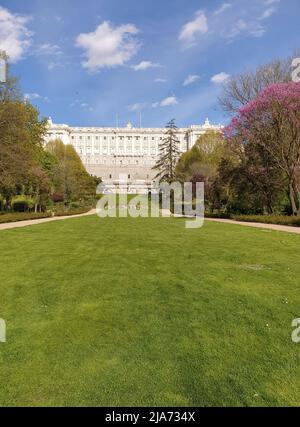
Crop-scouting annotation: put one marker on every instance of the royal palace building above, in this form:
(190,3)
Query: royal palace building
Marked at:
(109,152)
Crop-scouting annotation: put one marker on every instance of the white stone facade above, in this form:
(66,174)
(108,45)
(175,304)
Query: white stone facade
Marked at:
(111,152)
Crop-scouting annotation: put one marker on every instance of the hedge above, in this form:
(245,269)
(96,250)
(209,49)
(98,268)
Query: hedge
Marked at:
(269,219)
(25,216)
(22,216)
(73,212)
(218,215)
(264,219)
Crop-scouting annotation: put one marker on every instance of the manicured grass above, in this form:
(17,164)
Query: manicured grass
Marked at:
(147,312)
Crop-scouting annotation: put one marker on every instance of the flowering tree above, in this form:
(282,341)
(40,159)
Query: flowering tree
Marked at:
(271,123)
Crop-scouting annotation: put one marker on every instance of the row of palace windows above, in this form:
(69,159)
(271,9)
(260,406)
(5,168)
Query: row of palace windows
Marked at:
(120,162)
(110,176)
(129,138)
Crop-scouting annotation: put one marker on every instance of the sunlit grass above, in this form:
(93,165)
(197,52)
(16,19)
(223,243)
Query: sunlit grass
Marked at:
(145,312)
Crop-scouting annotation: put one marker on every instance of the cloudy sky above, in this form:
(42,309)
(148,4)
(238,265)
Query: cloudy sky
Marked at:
(84,62)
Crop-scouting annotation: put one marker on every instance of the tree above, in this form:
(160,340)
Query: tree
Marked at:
(168,154)
(200,163)
(243,88)
(70,178)
(270,124)
(21,138)
(9,89)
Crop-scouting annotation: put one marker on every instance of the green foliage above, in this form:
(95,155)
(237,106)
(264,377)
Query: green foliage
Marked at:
(293,221)
(168,154)
(22,203)
(71,181)
(10,90)
(206,153)
(200,164)
(22,216)
(42,176)
(73,211)
(269,219)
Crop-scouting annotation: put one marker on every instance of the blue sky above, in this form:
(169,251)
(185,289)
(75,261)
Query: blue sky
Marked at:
(82,62)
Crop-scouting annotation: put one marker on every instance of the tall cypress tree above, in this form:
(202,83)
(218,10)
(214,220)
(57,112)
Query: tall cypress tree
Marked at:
(168,154)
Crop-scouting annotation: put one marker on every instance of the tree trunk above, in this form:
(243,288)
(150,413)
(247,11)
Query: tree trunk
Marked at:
(293,197)
(8,202)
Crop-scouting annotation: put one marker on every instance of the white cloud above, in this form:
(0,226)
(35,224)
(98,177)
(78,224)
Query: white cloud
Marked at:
(223,8)
(270,2)
(108,46)
(220,78)
(170,100)
(48,49)
(191,29)
(145,65)
(250,28)
(192,78)
(34,96)
(79,103)
(268,12)
(160,80)
(15,37)
(54,64)
(136,107)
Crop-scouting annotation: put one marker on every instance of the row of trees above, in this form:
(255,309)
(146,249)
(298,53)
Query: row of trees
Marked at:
(254,165)
(30,173)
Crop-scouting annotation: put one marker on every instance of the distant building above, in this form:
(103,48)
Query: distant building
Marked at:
(131,152)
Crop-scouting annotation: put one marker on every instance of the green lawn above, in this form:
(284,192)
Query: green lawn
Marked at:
(145,312)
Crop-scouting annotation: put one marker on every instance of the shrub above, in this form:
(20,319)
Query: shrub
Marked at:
(270,219)
(73,212)
(22,216)
(220,215)
(56,197)
(22,203)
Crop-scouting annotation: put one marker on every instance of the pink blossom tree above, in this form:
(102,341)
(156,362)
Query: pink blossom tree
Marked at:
(271,122)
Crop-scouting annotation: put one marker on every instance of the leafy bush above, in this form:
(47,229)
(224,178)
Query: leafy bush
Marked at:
(56,197)
(220,215)
(22,203)
(264,219)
